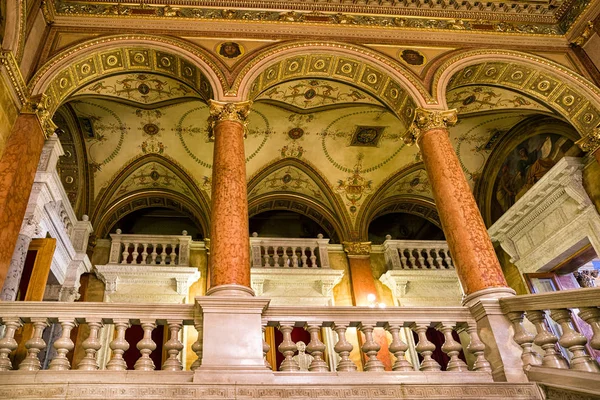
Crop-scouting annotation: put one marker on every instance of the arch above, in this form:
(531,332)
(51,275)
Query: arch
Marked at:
(14,29)
(529,127)
(108,198)
(387,80)
(62,75)
(301,205)
(569,94)
(154,198)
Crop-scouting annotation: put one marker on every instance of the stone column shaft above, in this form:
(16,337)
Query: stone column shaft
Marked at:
(15,270)
(17,172)
(229,239)
(472,251)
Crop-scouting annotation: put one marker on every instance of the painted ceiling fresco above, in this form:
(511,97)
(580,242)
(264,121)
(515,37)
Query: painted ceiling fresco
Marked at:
(471,99)
(341,132)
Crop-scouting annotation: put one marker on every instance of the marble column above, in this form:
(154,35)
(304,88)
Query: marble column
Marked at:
(591,143)
(229,239)
(472,251)
(15,270)
(18,165)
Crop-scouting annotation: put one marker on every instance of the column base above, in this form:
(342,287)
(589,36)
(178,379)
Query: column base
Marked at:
(496,331)
(230,291)
(232,336)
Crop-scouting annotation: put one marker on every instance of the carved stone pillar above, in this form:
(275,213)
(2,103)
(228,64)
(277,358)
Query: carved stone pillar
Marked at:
(17,171)
(229,263)
(361,277)
(591,143)
(472,251)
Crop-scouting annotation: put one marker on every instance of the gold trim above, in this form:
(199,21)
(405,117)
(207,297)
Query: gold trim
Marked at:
(426,120)
(8,60)
(591,142)
(38,105)
(223,111)
(357,248)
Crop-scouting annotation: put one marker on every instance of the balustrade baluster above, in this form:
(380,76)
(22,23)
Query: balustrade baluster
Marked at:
(448,258)
(173,347)
(425,348)
(411,259)
(316,348)
(134,253)
(145,254)
(422,264)
(163,254)
(287,348)
(276,257)
(91,345)
(398,349)
(452,348)
(524,338)
(8,342)
(402,258)
(546,340)
(174,255)
(146,346)
(574,341)
(125,254)
(286,258)
(591,315)
(63,345)
(119,346)
(343,349)
(267,258)
(265,348)
(313,256)
(439,262)
(197,346)
(370,348)
(304,257)
(34,346)
(154,253)
(294,257)
(477,348)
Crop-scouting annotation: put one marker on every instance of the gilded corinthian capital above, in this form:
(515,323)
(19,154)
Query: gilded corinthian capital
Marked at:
(591,142)
(357,248)
(220,111)
(38,106)
(426,120)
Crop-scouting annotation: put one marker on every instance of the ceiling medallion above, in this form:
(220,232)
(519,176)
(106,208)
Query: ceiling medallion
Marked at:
(296,133)
(151,129)
(367,136)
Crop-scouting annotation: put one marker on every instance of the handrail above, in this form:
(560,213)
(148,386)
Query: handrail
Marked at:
(576,298)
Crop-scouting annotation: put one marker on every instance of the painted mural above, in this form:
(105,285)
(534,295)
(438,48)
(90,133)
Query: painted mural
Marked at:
(525,165)
(482,98)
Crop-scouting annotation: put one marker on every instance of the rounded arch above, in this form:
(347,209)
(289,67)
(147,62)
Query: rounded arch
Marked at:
(145,199)
(81,64)
(524,130)
(301,205)
(567,93)
(387,80)
(107,198)
(14,28)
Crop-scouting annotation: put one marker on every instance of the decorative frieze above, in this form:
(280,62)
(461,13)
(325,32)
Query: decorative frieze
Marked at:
(357,248)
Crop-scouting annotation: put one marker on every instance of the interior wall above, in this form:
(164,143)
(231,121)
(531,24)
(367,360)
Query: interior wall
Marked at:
(511,272)
(342,292)
(591,181)
(378,268)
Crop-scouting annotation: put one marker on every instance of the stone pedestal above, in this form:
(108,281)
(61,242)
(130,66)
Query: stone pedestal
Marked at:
(229,238)
(231,335)
(472,251)
(496,331)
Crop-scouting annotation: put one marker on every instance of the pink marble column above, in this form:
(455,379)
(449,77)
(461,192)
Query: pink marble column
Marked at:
(472,251)
(17,172)
(229,240)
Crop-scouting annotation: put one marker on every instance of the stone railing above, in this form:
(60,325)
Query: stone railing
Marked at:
(289,253)
(150,249)
(560,318)
(417,254)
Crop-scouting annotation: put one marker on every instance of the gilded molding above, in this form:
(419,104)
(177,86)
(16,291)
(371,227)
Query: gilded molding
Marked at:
(38,105)
(10,65)
(48,11)
(585,35)
(357,248)
(426,120)
(223,111)
(591,142)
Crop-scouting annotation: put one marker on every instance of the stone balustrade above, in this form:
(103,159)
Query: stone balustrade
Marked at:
(417,254)
(150,249)
(394,320)
(560,309)
(289,253)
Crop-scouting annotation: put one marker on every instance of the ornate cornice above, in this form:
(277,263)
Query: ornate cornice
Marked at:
(426,120)
(357,248)
(38,105)
(9,64)
(591,142)
(223,111)
(585,35)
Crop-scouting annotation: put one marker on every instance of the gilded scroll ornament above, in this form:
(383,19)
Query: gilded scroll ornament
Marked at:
(357,248)
(591,142)
(426,120)
(221,111)
(38,105)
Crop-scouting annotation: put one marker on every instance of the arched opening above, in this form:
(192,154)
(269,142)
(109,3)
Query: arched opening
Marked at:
(403,226)
(159,221)
(286,224)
